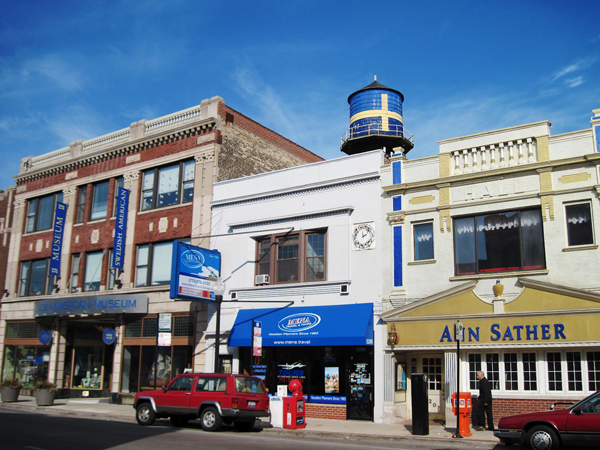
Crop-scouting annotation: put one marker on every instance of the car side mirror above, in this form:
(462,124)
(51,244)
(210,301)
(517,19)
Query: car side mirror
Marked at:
(165,388)
(577,410)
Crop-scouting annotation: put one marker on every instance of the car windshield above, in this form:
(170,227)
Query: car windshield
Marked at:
(246,384)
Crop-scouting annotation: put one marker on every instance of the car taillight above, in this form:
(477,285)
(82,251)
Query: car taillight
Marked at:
(234,403)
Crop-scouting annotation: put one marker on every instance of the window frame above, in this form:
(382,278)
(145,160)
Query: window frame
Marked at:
(87,280)
(148,263)
(33,215)
(80,204)
(152,192)
(26,280)
(97,212)
(570,225)
(269,256)
(118,183)
(471,249)
(420,248)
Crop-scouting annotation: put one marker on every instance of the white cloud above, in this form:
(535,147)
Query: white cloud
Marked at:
(580,65)
(573,82)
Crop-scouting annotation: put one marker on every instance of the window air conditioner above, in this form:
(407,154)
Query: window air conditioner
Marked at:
(261,279)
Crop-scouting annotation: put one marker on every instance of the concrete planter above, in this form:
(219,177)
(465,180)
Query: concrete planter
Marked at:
(10,394)
(44,398)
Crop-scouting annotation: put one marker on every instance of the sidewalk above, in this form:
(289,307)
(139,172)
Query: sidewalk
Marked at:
(100,408)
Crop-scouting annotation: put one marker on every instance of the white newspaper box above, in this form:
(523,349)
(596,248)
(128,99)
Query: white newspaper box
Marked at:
(276,405)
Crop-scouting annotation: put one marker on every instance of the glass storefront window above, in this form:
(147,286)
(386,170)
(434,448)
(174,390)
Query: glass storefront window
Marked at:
(27,363)
(87,368)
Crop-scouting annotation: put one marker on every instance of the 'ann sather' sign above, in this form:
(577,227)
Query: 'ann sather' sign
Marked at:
(120,229)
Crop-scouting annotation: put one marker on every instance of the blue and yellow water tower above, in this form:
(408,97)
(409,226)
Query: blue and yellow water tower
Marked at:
(376,121)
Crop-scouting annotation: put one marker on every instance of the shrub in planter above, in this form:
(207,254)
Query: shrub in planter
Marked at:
(10,389)
(45,392)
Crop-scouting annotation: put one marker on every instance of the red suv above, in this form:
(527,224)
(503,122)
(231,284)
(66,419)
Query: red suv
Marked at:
(214,398)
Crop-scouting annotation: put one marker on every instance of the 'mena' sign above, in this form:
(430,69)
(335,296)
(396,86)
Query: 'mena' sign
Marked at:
(194,272)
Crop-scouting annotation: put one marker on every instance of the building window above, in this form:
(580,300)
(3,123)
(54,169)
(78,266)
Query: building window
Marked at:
(80,206)
(579,224)
(511,372)
(150,267)
(593,365)
(474,367)
(291,258)
(499,242)
(168,185)
(119,183)
(40,212)
(34,279)
(74,283)
(111,273)
(99,200)
(529,372)
(554,371)
(93,271)
(423,237)
(574,375)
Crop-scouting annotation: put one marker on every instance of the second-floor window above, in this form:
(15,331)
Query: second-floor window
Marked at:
(423,236)
(168,185)
(153,263)
(40,212)
(34,279)
(93,271)
(499,242)
(579,224)
(99,200)
(292,258)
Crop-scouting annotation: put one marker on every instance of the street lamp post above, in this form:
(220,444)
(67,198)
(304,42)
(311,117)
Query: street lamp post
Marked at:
(458,332)
(219,291)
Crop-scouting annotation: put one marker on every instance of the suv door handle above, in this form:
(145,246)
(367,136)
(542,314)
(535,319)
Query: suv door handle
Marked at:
(188,393)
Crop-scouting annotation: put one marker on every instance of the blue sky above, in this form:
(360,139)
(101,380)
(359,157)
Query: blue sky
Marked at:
(73,70)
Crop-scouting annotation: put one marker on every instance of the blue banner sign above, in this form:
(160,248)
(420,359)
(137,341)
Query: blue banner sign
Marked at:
(120,229)
(57,238)
(194,272)
(335,399)
(93,304)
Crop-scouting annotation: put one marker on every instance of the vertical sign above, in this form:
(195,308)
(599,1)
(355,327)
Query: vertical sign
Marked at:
(120,228)
(57,238)
(256,338)
(164,330)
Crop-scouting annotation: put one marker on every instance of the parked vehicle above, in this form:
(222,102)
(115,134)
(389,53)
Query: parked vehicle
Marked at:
(212,398)
(578,425)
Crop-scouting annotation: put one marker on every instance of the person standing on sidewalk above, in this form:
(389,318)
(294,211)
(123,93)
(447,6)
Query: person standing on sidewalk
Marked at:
(485,403)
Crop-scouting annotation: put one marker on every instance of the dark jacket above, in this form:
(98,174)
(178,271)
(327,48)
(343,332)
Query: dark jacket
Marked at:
(485,391)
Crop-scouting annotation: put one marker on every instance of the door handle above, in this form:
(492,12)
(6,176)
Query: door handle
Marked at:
(188,393)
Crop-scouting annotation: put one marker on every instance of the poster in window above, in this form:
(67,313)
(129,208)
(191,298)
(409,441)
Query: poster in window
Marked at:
(332,380)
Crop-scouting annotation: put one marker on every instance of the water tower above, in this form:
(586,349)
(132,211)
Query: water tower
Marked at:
(376,121)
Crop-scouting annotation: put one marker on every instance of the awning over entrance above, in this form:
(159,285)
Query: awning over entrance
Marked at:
(310,326)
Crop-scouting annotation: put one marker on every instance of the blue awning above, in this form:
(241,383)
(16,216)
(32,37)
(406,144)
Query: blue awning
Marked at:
(309,327)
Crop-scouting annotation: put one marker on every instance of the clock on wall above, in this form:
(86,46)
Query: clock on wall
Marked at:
(363,236)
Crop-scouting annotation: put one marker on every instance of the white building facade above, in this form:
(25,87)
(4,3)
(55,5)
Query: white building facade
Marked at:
(499,231)
(301,254)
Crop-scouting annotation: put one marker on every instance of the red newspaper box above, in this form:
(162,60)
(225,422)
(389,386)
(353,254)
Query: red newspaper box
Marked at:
(466,406)
(294,407)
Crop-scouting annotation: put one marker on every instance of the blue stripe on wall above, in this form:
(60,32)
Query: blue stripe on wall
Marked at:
(597,129)
(397,172)
(398,256)
(397,203)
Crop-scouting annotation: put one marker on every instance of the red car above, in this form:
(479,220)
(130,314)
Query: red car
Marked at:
(578,425)
(213,398)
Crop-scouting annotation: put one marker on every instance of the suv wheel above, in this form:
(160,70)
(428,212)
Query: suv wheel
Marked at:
(179,421)
(144,414)
(210,419)
(244,425)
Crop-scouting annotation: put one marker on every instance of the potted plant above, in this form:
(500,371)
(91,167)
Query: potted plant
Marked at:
(45,392)
(10,389)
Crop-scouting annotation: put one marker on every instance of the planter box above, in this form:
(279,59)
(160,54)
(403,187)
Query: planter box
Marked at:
(10,394)
(44,398)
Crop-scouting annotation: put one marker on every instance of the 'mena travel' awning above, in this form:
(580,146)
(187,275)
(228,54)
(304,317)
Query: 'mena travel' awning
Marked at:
(306,326)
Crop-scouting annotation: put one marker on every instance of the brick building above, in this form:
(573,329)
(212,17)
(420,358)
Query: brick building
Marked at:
(82,307)
(7,197)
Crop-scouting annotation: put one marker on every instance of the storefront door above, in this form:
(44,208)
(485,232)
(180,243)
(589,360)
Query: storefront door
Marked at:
(431,365)
(359,377)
